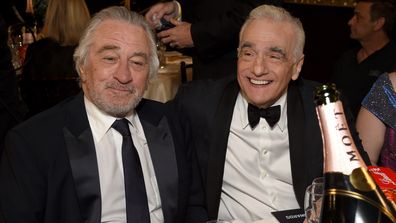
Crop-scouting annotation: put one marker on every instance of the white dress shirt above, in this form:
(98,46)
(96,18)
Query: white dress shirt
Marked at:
(257,173)
(108,143)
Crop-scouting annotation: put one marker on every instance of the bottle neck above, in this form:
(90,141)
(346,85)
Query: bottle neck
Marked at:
(339,150)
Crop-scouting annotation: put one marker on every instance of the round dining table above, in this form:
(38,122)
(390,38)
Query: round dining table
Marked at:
(164,86)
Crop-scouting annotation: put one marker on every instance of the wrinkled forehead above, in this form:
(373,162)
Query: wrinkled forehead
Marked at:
(119,35)
(120,30)
(268,34)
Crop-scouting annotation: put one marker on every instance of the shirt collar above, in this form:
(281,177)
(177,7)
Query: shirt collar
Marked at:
(242,106)
(99,121)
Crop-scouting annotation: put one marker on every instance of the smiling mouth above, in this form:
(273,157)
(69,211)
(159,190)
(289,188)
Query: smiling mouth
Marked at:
(259,82)
(120,90)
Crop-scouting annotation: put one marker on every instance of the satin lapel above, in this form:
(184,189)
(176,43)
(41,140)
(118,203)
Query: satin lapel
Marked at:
(218,147)
(162,151)
(296,128)
(82,155)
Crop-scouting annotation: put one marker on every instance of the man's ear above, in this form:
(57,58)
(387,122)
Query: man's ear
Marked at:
(81,73)
(297,68)
(379,23)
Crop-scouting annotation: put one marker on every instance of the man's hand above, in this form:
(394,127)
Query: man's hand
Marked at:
(166,10)
(179,36)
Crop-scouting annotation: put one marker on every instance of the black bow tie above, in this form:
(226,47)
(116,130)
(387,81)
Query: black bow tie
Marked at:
(271,115)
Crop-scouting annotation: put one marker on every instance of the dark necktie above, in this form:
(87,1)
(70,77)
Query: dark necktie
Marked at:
(271,115)
(135,191)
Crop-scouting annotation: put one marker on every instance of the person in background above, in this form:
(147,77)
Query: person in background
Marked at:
(51,58)
(357,69)
(208,31)
(256,136)
(12,109)
(376,121)
(106,155)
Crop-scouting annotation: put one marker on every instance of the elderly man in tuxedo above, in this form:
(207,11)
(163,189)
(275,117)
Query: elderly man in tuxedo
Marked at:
(106,155)
(253,165)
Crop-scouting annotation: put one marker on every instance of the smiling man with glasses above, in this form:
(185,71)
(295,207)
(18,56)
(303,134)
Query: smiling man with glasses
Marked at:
(256,136)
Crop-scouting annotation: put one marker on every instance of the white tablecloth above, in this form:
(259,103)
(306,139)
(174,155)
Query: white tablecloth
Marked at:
(164,87)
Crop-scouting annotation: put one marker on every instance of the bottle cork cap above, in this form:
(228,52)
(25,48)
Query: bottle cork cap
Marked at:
(326,93)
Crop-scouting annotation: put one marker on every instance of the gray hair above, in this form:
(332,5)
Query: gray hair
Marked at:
(278,14)
(119,13)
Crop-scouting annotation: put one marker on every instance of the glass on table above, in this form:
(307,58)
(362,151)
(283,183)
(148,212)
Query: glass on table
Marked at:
(313,200)
(19,37)
(161,48)
(15,43)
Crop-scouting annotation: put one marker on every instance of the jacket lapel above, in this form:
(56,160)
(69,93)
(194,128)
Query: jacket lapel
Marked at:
(218,147)
(305,141)
(162,151)
(296,120)
(82,155)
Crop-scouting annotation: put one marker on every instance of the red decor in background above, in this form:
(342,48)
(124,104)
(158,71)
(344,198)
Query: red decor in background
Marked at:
(386,180)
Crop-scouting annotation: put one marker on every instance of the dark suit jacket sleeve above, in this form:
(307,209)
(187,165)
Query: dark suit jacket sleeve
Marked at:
(216,37)
(22,184)
(195,212)
(36,183)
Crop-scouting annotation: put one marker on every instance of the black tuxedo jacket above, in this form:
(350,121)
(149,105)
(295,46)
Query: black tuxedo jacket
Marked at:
(206,108)
(49,169)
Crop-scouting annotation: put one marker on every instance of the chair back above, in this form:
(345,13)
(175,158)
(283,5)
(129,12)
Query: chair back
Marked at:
(183,72)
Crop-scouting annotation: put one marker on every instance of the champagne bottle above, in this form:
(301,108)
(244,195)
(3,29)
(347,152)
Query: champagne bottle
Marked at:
(350,193)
